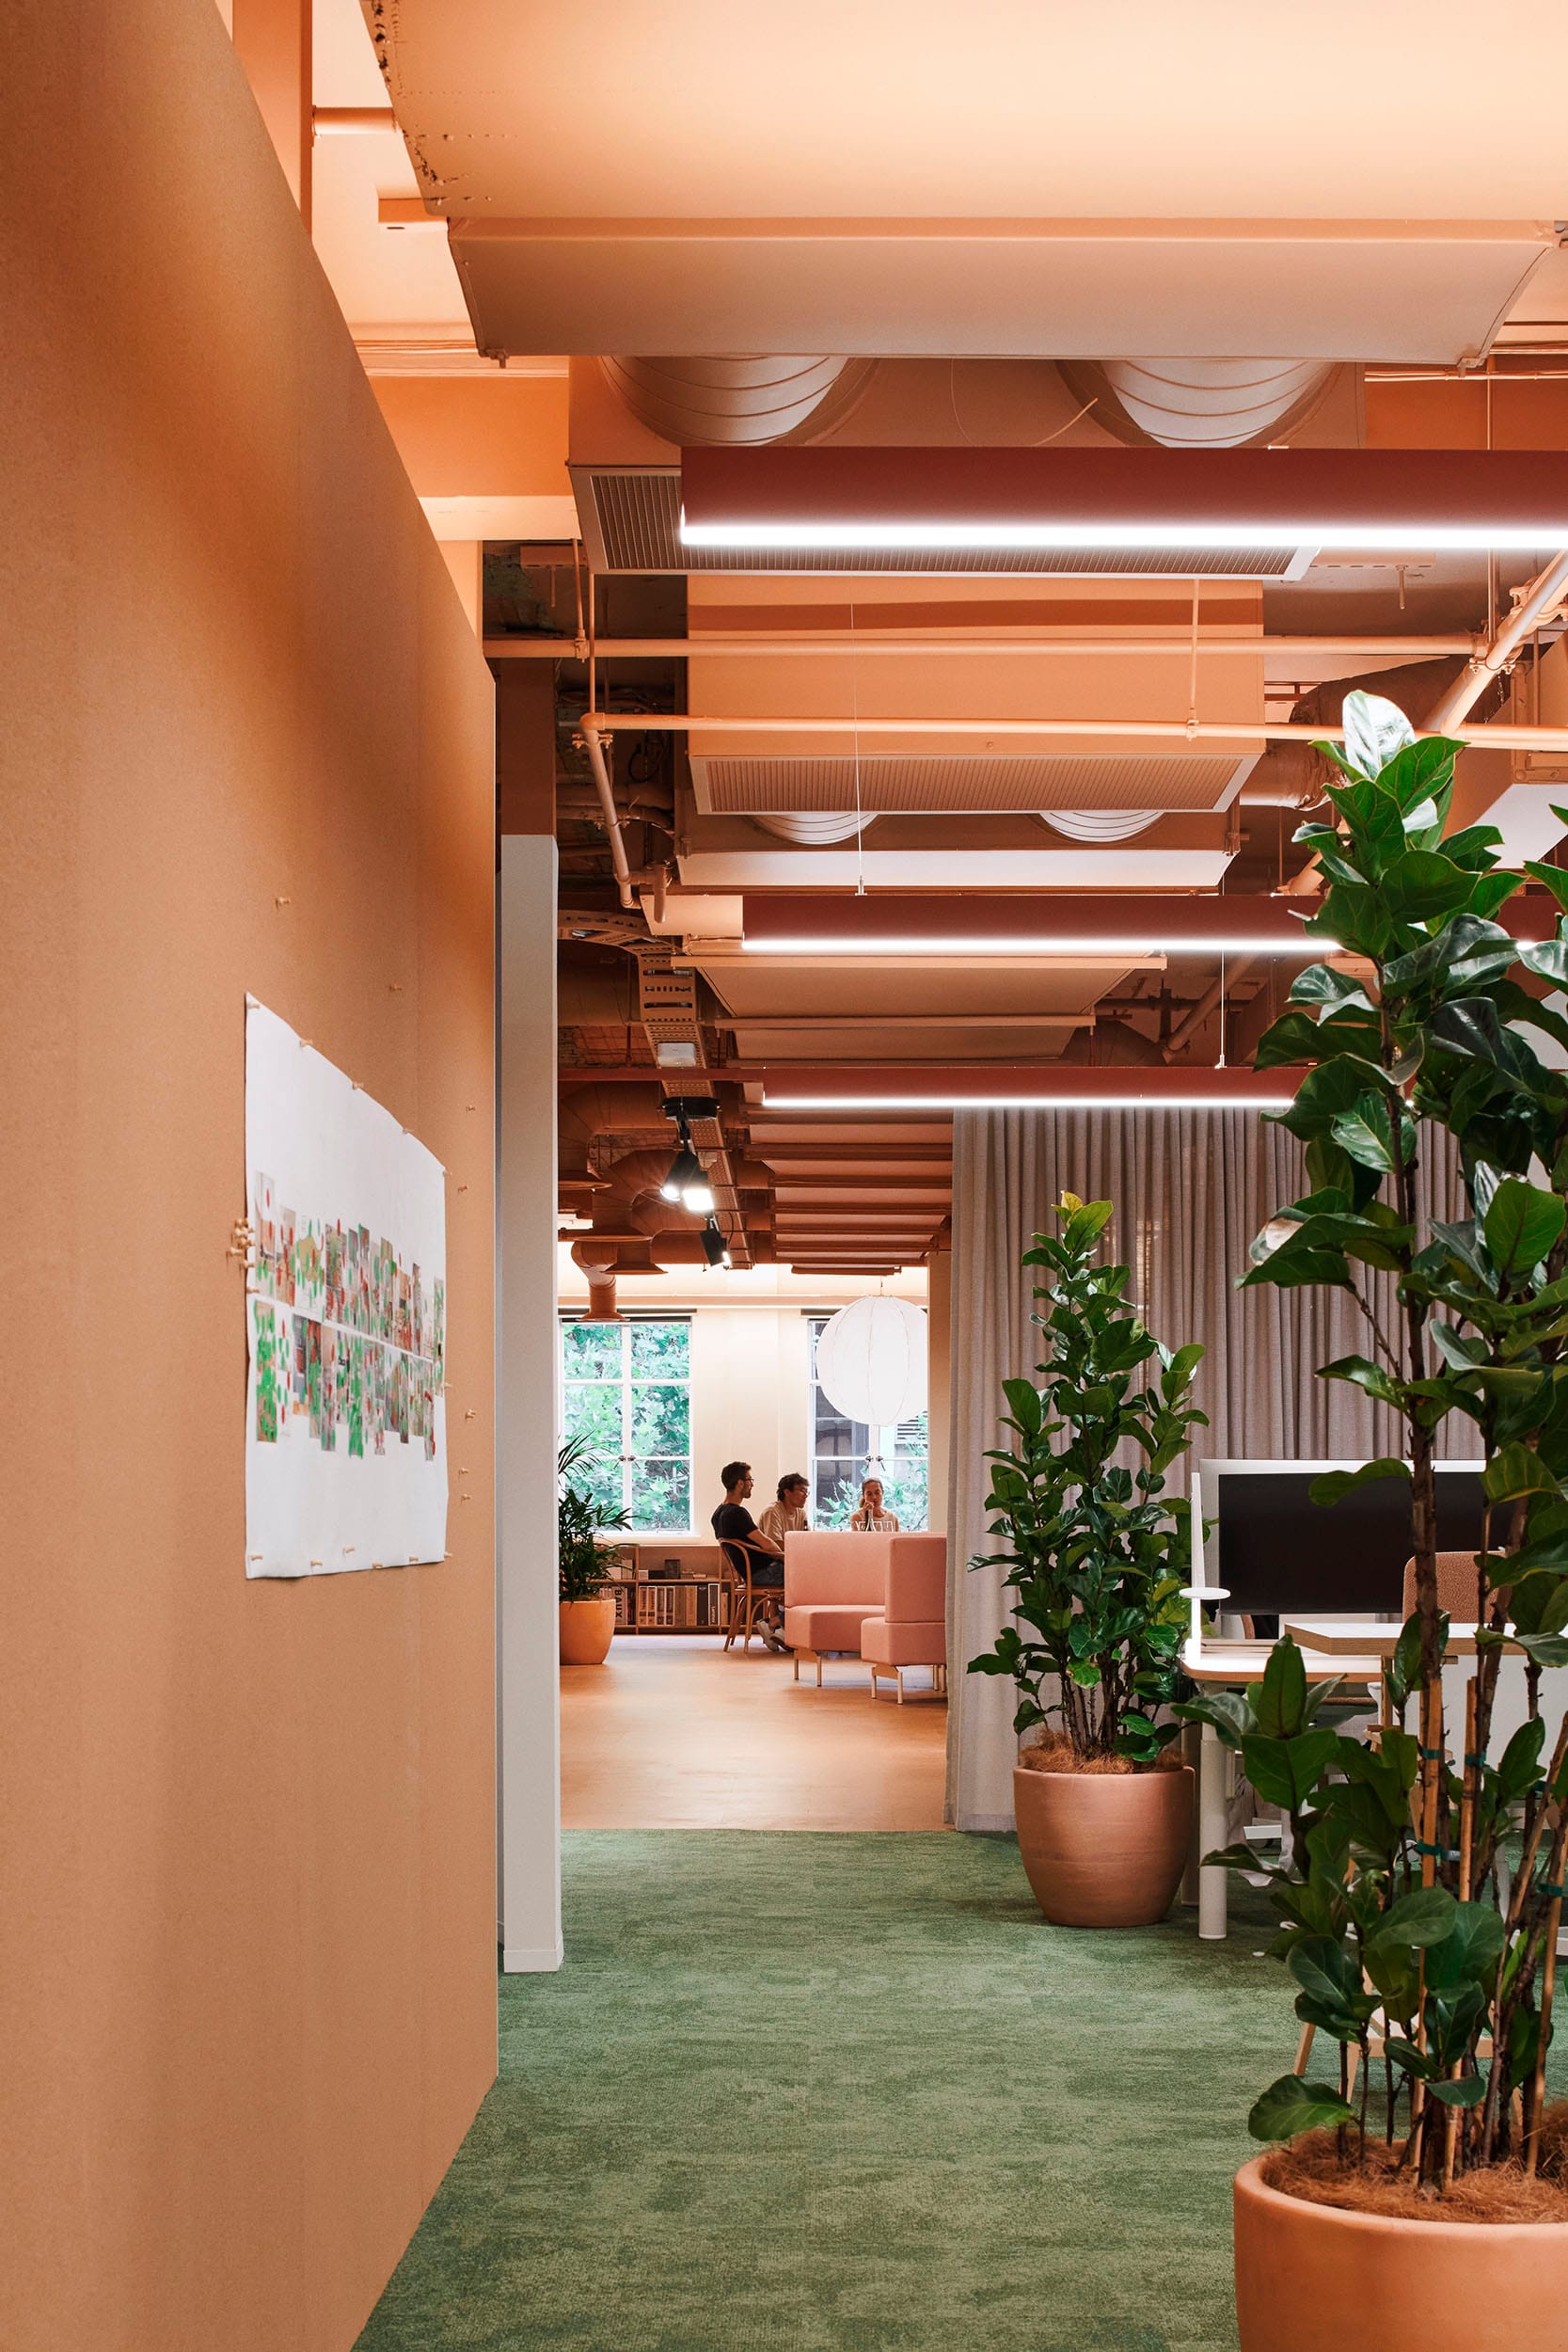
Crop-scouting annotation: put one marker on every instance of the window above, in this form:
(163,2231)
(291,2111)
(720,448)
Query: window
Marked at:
(843,1451)
(628,1394)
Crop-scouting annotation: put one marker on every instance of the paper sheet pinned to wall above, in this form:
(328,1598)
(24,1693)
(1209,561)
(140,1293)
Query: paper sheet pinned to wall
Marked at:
(345,1320)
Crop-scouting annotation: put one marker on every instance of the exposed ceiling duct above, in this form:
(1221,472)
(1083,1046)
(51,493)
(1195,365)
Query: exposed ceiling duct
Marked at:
(1200,403)
(1292,775)
(725,402)
(813,827)
(1100,824)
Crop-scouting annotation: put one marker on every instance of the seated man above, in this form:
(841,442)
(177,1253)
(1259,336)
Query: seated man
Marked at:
(734,1524)
(787,1517)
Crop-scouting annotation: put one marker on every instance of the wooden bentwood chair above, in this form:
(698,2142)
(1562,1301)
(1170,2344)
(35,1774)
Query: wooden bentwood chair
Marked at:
(746,1602)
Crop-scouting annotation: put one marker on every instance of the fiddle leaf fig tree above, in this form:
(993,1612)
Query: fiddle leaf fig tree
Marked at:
(1096,1559)
(1397,1923)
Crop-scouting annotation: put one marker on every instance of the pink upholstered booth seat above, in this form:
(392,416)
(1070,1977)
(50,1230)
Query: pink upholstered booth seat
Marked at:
(832,1581)
(912,1629)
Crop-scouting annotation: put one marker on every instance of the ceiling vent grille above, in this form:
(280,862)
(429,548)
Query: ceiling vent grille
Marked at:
(630,518)
(898,785)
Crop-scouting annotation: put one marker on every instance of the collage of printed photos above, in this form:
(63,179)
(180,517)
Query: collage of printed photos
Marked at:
(346,1338)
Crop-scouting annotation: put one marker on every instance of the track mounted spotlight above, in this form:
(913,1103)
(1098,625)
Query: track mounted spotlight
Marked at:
(685,1170)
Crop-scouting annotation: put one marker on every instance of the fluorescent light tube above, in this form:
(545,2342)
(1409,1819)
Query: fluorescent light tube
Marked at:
(1025,1102)
(909,537)
(1061,950)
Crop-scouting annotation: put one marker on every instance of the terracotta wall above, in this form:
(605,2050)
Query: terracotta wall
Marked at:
(248,1922)
(501,436)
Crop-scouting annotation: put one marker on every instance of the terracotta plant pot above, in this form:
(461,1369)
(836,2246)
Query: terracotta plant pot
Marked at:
(1104,1850)
(587,1629)
(1314,2278)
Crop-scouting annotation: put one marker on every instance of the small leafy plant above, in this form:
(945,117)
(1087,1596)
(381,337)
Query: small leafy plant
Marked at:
(1420,1901)
(583,1571)
(1097,1561)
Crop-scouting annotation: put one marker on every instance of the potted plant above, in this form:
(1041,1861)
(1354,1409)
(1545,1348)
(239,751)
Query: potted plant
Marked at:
(587,1611)
(1096,1565)
(1414,1949)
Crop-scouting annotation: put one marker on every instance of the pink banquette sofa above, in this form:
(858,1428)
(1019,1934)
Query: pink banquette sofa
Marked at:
(880,1597)
(912,1629)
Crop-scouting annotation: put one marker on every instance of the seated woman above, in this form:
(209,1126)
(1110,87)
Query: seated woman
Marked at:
(871,1519)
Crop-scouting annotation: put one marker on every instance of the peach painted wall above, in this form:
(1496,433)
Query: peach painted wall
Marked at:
(248,1918)
(501,436)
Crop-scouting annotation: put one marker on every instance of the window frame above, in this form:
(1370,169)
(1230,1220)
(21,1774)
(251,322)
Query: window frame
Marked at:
(626,1383)
(887,1452)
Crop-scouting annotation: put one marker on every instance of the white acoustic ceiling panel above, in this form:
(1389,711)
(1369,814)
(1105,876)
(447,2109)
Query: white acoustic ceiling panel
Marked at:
(1050,289)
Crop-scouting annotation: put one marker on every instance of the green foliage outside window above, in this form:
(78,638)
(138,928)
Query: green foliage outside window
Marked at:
(627,1402)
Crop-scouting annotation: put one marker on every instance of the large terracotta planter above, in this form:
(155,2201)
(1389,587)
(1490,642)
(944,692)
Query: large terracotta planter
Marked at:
(587,1629)
(1104,1850)
(1313,2278)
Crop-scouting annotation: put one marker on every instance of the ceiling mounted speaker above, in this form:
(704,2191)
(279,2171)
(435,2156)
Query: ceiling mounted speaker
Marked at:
(722,402)
(1200,403)
(813,827)
(1100,824)
(871,1361)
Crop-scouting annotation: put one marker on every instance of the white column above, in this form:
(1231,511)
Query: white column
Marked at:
(529,1691)
(939,1360)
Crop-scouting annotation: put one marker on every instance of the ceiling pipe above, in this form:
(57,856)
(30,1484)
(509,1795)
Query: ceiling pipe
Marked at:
(598,724)
(591,734)
(864,641)
(1532,605)
(350,121)
(1212,998)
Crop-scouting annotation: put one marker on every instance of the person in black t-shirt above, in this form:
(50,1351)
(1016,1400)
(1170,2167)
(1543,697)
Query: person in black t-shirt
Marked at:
(734,1524)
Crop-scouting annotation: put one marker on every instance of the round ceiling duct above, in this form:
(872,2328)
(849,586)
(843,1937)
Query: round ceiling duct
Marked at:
(1100,824)
(813,827)
(1200,403)
(729,402)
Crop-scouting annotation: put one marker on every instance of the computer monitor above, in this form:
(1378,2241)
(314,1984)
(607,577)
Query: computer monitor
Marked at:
(1274,1549)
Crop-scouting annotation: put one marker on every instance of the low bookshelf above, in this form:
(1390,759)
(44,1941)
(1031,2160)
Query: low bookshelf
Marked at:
(651,1597)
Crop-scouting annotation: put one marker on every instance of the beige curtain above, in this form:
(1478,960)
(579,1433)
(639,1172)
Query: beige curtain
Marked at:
(1190,1190)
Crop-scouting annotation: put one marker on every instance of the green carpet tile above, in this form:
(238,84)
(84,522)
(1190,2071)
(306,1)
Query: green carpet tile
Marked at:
(848,2093)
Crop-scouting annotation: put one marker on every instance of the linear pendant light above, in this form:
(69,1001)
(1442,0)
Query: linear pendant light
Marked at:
(1099,925)
(899,499)
(1024,1086)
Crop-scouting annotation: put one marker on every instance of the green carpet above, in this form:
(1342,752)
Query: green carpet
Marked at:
(843,2093)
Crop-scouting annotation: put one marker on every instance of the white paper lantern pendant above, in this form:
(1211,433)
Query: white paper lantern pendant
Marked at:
(871,1361)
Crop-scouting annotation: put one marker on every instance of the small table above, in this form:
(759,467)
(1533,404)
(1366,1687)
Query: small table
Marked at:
(1236,1664)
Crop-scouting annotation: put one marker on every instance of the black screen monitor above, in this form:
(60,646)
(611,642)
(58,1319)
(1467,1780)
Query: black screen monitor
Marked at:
(1274,1549)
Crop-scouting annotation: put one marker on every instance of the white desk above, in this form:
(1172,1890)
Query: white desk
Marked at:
(1334,1637)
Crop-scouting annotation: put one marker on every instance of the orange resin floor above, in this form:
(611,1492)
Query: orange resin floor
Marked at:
(674,1732)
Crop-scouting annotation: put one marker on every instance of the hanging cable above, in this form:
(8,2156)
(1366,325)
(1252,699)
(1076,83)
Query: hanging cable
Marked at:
(855,706)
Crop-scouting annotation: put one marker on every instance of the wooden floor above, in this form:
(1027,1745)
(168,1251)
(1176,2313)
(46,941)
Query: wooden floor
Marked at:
(674,1732)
